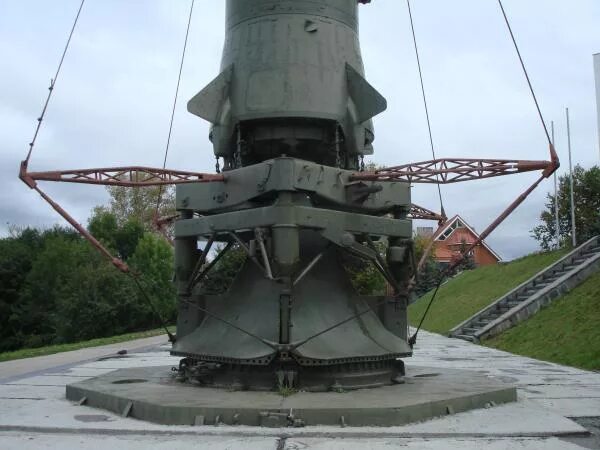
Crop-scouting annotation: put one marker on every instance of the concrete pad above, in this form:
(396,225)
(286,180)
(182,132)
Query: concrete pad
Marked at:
(45,380)
(27,365)
(152,394)
(550,391)
(572,407)
(514,419)
(523,419)
(42,411)
(124,362)
(20,391)
(431,444)
(80,371)
(35,441)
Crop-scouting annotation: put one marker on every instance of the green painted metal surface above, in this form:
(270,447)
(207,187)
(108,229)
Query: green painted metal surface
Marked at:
(291,119)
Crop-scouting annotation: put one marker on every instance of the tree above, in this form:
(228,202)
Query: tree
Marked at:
(120,238)
(221,276)
(61,255)
(97,301)
(468,260)
(587,209)
(430,273)
(139,203)
(55,287)
(153,260)
(364,276)
(17,254)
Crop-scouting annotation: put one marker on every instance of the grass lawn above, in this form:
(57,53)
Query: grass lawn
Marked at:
(51,349)
(566,332)
(473,290)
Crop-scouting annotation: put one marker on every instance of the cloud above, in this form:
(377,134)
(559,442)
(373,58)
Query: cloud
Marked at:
(113,100)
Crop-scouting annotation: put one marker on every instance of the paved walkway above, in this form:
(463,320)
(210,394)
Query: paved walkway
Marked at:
(18,367)
(552,400)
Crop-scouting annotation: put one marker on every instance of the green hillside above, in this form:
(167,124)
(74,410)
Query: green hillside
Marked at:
(471,291)
(566,332)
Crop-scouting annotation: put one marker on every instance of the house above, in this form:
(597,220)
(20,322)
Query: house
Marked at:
(452,237)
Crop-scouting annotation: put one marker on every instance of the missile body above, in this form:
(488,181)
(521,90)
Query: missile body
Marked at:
(291,118)
(291,83)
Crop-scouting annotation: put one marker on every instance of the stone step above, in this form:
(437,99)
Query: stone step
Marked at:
(492,318)
(553,276)
(507,303)
(528,294)
(580,260)
(583,258)
(559,273)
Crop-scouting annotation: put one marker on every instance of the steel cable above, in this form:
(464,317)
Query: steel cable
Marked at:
(413,338)
(514,41)
(412,27)
(52,84)
(168,144)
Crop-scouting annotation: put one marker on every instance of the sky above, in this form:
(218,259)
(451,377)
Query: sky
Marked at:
(112,102)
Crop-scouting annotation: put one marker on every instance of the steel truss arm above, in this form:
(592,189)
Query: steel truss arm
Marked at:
(454,170)
(117,176)
(418,212)
(133,176)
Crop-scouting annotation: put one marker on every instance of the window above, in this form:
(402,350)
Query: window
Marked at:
(456,224)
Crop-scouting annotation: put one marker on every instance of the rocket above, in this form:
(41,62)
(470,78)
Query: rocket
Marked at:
(291,83)
(291,115)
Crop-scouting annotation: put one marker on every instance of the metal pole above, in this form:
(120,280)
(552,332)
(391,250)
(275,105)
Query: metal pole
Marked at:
(597,77)
(556,221)
(573,227)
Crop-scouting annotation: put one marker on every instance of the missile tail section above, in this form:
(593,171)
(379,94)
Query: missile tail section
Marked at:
(291,116)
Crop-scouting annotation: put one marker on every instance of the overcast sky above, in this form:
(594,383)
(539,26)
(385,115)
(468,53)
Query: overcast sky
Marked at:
(112,103)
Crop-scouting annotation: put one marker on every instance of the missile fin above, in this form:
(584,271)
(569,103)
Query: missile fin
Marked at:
(209,101)
(367,100)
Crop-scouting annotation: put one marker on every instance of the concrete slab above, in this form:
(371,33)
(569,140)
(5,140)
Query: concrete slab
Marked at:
(81,372)
(43,413)
(511,420)
(28,365)
(572,407)
(45,380)
(123,363)
(430,444)
(101,442)
(143,442)
(551,391)
(523,418)
(153,394)
(8,391)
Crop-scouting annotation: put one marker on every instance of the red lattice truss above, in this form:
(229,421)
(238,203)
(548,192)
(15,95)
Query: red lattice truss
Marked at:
(133,176)
(454,170)
(437,171)
(419,212)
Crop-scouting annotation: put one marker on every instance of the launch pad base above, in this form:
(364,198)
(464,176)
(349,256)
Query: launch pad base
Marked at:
(152,394)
